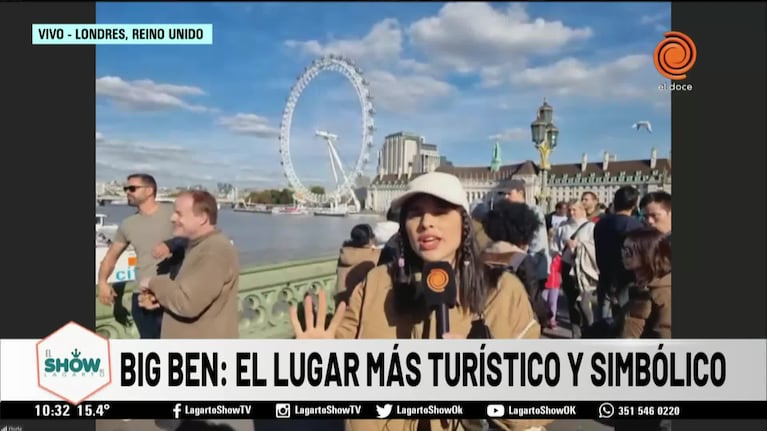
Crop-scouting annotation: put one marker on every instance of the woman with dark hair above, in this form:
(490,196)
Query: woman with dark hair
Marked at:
(358,255)
(512,227)
(435,226)
(647,252)
(389,230)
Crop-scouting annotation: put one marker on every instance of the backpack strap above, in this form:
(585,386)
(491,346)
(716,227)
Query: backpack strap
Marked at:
(516,260)
(579,229)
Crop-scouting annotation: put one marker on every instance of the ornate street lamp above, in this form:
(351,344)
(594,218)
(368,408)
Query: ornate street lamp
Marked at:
(545,136)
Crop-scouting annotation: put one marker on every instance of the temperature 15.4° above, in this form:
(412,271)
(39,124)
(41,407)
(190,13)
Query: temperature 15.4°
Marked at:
(92,410)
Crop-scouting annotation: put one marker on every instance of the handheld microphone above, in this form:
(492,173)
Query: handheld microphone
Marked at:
(440,292)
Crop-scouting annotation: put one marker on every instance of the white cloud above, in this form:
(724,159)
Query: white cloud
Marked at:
(249,124)
(465,35)
(131,155)
(512,135)
(408,67)
(382,44)
(573,77)
(147,95)
(405,93)
(382,48)
(658,21)
(176,165)
(99,136)
(652,19)
(416,66)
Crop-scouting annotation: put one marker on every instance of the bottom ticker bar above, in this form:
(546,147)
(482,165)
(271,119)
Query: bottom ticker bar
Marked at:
(384,409)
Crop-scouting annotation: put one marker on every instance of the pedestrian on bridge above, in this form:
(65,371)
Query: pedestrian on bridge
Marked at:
(149,228)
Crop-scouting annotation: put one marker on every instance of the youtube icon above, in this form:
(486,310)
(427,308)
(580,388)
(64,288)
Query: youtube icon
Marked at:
(495,410)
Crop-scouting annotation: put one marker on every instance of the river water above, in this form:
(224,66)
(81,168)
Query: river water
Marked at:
(266,238)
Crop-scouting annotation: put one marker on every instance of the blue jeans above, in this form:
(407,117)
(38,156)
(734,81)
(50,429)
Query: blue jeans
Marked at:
(148,322)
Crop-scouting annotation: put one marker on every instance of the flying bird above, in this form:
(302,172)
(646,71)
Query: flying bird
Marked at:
(643,125)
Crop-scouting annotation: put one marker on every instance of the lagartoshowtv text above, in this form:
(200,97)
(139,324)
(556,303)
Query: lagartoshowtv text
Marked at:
(390,368)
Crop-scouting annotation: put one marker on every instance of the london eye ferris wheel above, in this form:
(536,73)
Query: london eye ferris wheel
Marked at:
(344,180)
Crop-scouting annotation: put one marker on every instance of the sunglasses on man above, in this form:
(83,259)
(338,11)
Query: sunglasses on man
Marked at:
(132,189)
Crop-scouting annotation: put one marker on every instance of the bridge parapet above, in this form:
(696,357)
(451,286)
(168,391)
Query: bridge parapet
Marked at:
(266,293)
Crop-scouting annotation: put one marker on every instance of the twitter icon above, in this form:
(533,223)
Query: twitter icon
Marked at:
(383,411)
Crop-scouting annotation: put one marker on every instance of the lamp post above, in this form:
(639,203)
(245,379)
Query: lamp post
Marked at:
(545,136)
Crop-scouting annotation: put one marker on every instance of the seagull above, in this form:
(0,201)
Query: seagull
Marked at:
(643,125)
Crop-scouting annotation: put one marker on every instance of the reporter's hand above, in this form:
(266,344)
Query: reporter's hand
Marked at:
(319,331)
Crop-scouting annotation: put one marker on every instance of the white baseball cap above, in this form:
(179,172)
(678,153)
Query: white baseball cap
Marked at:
(441,185)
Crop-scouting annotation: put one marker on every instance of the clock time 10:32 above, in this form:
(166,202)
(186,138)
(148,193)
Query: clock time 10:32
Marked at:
(66,410)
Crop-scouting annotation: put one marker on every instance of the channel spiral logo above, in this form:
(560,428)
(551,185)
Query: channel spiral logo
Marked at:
(675,55)
(437,280)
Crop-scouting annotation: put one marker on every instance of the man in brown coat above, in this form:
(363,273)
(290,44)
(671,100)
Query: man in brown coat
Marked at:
(201,301)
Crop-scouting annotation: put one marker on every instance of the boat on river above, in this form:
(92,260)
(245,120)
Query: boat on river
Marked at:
(331,212)
(294,210)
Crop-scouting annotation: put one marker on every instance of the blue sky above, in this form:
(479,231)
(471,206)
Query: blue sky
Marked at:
(460,74)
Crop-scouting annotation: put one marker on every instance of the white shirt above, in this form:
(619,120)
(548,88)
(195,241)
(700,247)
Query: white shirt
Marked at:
(564,232)
(556,220)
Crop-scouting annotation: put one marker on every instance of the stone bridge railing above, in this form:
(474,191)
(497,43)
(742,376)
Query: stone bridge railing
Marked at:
(266,293)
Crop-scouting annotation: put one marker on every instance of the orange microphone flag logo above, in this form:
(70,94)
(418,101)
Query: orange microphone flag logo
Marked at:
(437,280)
(675,55)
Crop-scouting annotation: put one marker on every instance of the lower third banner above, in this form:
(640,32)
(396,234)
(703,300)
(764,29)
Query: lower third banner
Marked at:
(384,409)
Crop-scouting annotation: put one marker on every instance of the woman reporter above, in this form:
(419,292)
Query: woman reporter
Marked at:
(435,226)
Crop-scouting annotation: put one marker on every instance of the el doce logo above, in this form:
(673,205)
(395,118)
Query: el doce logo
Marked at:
(675,55)
(437,280)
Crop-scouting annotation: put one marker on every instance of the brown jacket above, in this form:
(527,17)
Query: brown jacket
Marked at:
(202,300)
(353,265)
(371,314)
(649,311)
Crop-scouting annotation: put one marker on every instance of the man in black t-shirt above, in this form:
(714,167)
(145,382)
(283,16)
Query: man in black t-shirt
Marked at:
(609,234)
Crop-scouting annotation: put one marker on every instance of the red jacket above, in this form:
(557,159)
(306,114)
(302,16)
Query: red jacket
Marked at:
(555,276)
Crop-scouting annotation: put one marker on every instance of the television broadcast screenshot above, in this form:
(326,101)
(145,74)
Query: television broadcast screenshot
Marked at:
(384,216)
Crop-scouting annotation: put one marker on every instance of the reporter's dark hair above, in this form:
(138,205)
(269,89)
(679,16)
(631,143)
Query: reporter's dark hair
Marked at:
(513,222)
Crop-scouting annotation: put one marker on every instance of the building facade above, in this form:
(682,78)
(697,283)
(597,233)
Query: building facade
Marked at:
(427,159)
(570,181)
(565,181)
(398,153)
